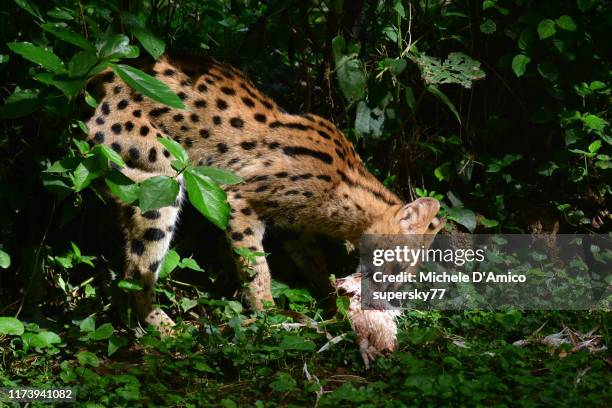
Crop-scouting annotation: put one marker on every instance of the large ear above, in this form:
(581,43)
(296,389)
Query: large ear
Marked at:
(419,216)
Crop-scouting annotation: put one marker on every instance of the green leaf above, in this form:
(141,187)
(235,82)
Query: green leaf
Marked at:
(463,216)
(115,47)
(349,70)
(103,332)
(458,68)
(190,263)
(296,343)
(187,304)
(61,14)
(81,62)
(46,339)
(526,39)
(122,186)
(488,223)
(547,169)
(410,99)
(5,260)
(157,192)
(444,172)
(130,285)
(110,154)
(171,261)
(548,71)
(369,122)
(219,176)
(30,7)
(488,26)
(396,65)
(148,85)
(175,150)
(444,99)
(565,22)
(88,358)
(595,146)
(90,100)
(584,5)
(283,382)
(149,41)
(519,64)
(10,325)
(21,102)
(88,324)
(87,171)
(594,122)
(40,56)
(115,343)
(61,31)
(69,86)
(207,198)
(546,29)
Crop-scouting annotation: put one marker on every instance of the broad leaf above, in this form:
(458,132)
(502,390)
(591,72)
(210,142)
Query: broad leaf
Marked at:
(20,103)
(463,216)
(88,358)
(103,332)
(369,121)
(171,261)
(81,62)
(115,343)
(69,86)
(546,29)
(594,122)
(131,285)
(5,260)
(519,64)
(297,343)
(30,7)
(41,56)
(148,85)
(88,170)
(88,324)
(488,26)
(62,32)
(350,70)
(190,263)
(458,68)
(46,339)
(218,175)
(149,41)
(10,325)
(175,150)
(122,186)
(565,22)
(187,304)
(207,197)
(157,192)
(115,47)
(63,165)
(110,154)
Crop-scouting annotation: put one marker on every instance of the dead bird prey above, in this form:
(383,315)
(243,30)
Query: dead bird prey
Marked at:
(376,329)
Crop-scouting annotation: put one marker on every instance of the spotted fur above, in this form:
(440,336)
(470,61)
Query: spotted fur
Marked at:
(299,170)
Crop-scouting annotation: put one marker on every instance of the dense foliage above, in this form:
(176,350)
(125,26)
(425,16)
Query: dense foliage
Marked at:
(499,108)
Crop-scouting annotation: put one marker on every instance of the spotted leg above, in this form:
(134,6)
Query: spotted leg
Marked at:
(246,230)
(148,237)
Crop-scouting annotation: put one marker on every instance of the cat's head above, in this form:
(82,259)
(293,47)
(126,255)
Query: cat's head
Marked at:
(418,217)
